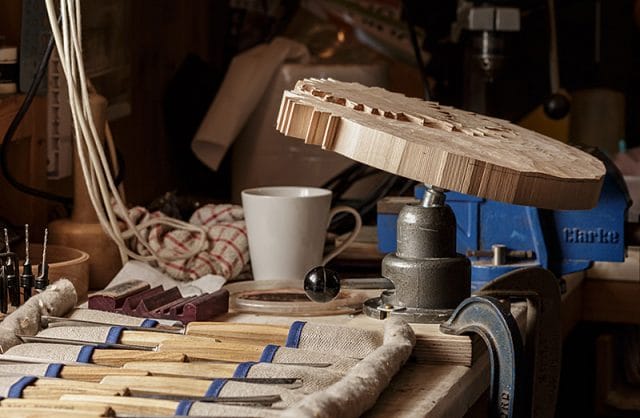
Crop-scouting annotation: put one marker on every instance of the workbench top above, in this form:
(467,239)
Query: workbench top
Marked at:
(422,389)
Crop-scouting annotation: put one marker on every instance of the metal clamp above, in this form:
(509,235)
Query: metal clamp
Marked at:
(524,377)
(489,318)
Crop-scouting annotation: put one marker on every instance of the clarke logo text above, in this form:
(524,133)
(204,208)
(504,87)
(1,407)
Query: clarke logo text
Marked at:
(590,236)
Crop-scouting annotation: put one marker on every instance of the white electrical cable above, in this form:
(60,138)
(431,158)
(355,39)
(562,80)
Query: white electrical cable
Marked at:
(103,193)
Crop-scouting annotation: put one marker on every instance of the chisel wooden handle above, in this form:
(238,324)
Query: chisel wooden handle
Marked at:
(160,385)
(126,405)
(216,351)
(45,412)
(152,339)
(199,349)
(106,357)
(261,334)
(96,373)
(200,370)
(57,406)
(54,388)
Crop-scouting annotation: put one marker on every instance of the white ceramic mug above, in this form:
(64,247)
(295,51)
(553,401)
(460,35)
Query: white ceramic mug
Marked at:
(287,227)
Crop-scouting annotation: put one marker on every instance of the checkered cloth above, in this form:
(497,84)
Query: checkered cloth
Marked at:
(227,252)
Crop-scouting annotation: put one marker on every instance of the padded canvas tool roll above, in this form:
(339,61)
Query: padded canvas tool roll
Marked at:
(339,390)
(58,299)
(343,341)
(313,378)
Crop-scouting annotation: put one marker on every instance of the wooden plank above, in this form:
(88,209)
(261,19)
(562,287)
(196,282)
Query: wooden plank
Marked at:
(629,270)
(27,162)
(611,301)
(571,309)
(442,146)
(365,246)
(433,390)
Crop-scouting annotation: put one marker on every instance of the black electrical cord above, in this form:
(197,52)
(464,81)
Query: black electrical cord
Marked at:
(13,127)
(417,52)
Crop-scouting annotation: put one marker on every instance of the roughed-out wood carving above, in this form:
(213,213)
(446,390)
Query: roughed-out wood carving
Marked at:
(441,145)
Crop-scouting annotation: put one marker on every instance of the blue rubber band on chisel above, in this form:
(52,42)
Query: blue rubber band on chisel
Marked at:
(295,331)
(269,353)
(15,391)
(183,408)
(53,370)
(243,369)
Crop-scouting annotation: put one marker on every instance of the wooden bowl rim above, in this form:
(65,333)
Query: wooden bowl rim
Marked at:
(79,255)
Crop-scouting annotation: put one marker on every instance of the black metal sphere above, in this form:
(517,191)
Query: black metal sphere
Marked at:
(321,284)
(557,106)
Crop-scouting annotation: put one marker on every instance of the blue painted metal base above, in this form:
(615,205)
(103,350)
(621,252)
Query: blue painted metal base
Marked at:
(562,241)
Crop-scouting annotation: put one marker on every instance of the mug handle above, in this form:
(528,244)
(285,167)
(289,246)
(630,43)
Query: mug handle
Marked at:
(352,236)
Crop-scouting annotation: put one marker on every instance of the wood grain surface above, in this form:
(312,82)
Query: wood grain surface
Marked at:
(50,405)
(440,145)
(127,405)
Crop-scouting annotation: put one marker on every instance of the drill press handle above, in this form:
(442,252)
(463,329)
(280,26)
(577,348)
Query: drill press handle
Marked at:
(323,285)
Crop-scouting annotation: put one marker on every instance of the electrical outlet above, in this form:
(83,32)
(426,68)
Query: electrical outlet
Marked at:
(59,132)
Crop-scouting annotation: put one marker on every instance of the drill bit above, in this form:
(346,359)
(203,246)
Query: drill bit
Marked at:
(42,281)
(26,279)
(4,305)
(12,271)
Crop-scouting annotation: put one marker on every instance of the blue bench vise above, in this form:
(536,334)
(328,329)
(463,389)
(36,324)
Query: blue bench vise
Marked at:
(501,237)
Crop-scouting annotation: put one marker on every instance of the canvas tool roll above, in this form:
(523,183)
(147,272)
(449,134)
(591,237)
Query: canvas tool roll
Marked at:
(55,353)
(31,369)
(58,299)
(342,341)
(313,378)
(349,396)
(326,392)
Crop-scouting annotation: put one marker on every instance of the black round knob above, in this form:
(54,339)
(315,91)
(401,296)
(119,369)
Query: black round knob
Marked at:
(321,284)
(557,106)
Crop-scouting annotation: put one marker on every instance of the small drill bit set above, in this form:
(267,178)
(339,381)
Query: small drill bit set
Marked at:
(12,279)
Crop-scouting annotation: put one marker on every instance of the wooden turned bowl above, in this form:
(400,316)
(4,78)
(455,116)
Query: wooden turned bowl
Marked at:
(66,262)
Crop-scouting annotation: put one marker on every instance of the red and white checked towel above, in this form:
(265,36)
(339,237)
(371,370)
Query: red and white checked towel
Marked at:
(227,252)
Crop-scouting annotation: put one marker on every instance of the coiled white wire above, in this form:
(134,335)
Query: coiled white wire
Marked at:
(103,193)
